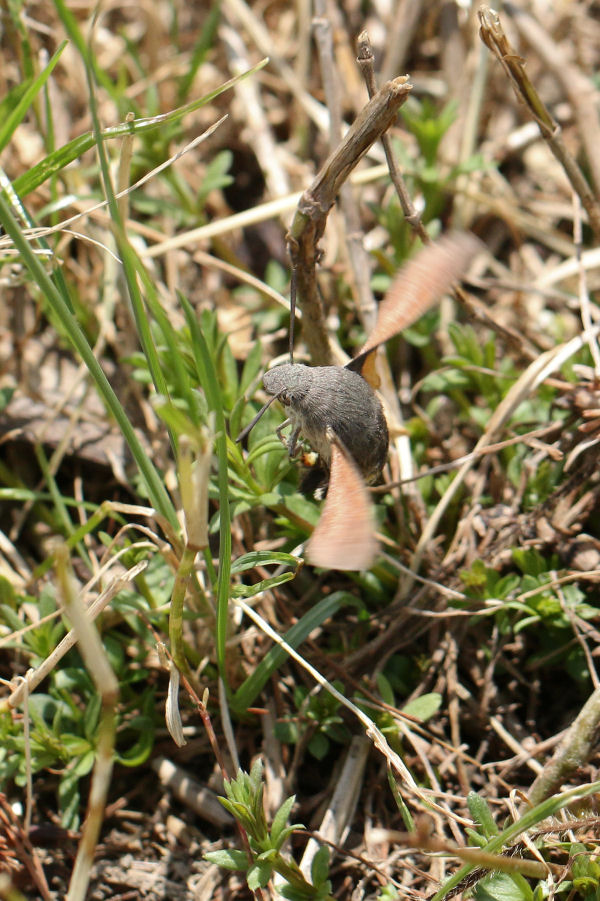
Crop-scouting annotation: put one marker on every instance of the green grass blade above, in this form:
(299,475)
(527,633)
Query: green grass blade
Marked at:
(74,32)
(60,158)
(156,489)
(212,389)
(276,656)
(15,202)
(132,265)
(18,114)
(201,48)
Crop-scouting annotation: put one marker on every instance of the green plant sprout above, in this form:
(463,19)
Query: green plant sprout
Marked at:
(264,859)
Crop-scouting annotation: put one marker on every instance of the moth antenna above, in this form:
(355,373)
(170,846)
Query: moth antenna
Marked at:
(344,537)
(293,283)
(246,431)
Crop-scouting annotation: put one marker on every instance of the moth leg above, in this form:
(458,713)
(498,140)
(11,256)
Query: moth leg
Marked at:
(292,444)
(288,443)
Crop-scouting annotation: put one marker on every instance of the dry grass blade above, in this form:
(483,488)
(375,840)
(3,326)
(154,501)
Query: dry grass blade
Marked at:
(98,666)
(341,808)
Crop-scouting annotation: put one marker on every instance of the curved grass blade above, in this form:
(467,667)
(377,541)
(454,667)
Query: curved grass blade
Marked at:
(212,389)
(276,656)
(156,489)
(543,811)
(18,114)
(60,158)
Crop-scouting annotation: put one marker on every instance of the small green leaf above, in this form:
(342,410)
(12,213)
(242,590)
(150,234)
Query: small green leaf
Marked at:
(76,746)
(252,366)
(475,838)
(503,887)
(240,812)
(259,875)
(216,176)
(285,834)
(91,716)
(385,690)
(445,380)
(139,752)
(319,745)
(229,860)
(425,706)
(319,870)
(281,817)
(5,395)
(85,764)
(68,796)
(286,732)
(250,591)
(482,817)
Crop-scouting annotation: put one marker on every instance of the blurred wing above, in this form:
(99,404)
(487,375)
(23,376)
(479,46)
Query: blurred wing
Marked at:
(416,287)
(345,534)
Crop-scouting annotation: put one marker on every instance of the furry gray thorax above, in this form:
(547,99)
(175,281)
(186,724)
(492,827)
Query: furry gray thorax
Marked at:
(321,397)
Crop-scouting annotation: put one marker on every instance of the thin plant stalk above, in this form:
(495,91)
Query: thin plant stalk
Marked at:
(493,36)
(105,681)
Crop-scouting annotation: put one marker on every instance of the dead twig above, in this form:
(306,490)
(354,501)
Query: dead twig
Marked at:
(16,851)
(311,215)
(493,36)
(578,88)
(365,61)
(573,751)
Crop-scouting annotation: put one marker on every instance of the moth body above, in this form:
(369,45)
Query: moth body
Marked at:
(338,414)
(322,398)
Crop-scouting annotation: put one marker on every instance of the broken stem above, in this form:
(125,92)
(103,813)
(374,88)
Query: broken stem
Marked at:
(493,36)
(313,208)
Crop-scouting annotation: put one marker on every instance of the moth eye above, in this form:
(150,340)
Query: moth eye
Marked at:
(284,398)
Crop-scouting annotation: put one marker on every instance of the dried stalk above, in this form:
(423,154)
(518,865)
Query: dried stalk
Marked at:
(578,87)
(358,257)
(342,806)
(105,682)
(493,36)
(366,62)
(573,752)
(311,215)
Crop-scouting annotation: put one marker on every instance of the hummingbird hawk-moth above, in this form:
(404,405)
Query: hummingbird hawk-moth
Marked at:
(336,411)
